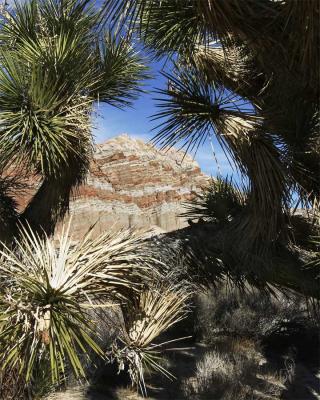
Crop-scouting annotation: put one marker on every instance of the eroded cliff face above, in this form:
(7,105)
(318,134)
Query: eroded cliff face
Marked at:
(133,184)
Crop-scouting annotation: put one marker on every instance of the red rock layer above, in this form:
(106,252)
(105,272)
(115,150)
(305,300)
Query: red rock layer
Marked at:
(131,183)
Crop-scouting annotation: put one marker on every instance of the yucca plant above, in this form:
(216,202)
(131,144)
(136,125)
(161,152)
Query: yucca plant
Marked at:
(219,201)
(154,311)
(48,289)
(57,59)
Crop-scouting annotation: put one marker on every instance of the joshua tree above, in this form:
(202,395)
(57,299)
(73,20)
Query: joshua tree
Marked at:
(245,71)
(57,59)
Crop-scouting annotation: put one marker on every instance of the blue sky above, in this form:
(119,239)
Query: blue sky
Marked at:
(136,122)
(110,121)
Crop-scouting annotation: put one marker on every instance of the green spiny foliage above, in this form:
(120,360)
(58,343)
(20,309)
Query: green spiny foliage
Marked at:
(57,59)
(48,289)
(51,291)
(220,201)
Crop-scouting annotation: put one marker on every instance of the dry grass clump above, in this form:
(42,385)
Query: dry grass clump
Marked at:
(251,314)
(228,375)
(237,326)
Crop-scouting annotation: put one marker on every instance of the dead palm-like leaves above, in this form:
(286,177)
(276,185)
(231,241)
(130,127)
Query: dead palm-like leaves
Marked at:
(217,64)
(155,310)
(302,18)
(48,288)
(230,67)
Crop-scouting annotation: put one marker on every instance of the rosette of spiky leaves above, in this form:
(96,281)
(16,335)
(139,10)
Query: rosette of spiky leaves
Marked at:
(191,109)
(219,201)
(40,125)
(153,312)
(48,289)
(57,59)
(116,57)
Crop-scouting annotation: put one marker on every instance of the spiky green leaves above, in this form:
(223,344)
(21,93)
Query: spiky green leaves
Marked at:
(172,26)
(219,202)
(50,288)
(192,109)
(56,61)
(120,71)
(58,67)
(39,124)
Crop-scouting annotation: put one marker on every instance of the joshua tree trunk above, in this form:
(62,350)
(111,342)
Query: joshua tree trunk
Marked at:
(48,205)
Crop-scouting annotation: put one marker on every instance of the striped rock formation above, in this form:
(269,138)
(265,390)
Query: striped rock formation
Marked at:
(133,184)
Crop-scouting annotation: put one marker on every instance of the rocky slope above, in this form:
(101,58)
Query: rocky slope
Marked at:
(131,183)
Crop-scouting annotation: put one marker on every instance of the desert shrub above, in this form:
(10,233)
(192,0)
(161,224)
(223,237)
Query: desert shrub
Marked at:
(249,313)
(231,375)
(260,339)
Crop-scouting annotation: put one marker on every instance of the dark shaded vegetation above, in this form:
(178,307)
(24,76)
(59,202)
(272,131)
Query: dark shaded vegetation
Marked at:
(243,345)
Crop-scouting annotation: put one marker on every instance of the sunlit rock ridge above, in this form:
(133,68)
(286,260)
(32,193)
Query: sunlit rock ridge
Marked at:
(133,184)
